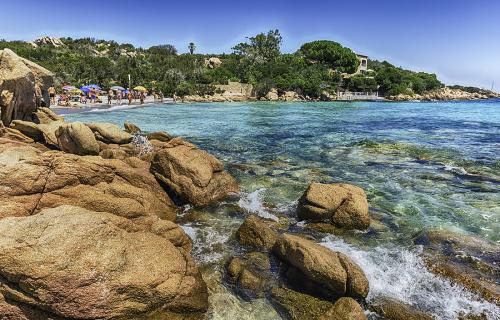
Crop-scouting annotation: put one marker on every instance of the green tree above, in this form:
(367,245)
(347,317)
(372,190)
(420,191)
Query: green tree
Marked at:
(332,54)
(261,48)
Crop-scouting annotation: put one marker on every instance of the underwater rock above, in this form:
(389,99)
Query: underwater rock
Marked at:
(343,204)
(331,272)
(252,284)
(255,231)
(392,309)
(470,261)
(103,268)
(294,305)
(192,175)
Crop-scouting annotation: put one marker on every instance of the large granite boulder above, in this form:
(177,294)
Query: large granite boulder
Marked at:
(78,264)
(192,175)
(44,133)
(23,87)
(343,204)
(77,138)
(32,180)
(110,133)
(294,305)
(333,273)
(256,232)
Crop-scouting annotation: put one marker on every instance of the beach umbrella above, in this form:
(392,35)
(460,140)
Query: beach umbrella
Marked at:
(68,88)
(117,88)
(140,88)
(85,89)
(94,86)
(75,91)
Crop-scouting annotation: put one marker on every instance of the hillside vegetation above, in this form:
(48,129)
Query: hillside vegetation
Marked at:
(317,67)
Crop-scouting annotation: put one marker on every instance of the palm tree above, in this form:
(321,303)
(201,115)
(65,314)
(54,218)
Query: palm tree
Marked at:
(191,47)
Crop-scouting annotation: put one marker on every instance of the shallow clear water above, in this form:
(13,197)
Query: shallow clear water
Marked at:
(423,165)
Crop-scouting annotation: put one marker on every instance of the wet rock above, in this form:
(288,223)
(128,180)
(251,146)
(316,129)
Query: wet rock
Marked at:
(110,133)
(30,182)
(255,231)
(392,309)
(131,128)
(294,305)
(23,87)
(103,268)
(470,261)
(192,175)
(247,279)
(77,138)
(345,309)
(343,204)
(332,272)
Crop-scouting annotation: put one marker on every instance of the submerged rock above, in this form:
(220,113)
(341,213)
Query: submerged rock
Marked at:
(256,232)
(77,138)
(248,280)
(80,264)
(330,272)
(392,309)
(294,305)
(343,204)
(192,175)
(110,133)
(472,262)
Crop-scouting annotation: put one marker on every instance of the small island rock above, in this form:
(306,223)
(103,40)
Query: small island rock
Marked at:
(343,204)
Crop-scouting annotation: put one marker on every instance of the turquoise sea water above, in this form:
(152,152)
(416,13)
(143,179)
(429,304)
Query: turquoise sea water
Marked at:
(422,165)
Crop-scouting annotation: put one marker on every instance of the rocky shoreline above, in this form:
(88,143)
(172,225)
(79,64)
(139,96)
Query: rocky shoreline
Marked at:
(88,228)
(445,94)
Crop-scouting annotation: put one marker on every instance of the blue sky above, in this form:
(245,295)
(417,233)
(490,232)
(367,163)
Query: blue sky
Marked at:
(459,40)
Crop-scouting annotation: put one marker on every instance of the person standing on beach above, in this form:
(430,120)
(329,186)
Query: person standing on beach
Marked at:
(52,95)
(161,96)
(142,95)
(130,97)
(110,96)
(119,97)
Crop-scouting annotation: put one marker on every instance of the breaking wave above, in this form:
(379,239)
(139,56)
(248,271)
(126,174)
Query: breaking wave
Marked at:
(401,274)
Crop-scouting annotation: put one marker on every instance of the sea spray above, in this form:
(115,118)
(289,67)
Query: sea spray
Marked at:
(401,274)
(253,203)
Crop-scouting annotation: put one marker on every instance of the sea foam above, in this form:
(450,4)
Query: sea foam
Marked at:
(253,203)
(401,274)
